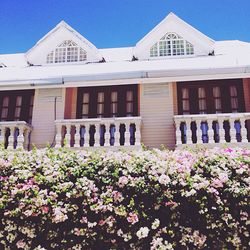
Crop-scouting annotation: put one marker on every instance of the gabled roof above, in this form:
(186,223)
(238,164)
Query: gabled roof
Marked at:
(172,23)
(52,39)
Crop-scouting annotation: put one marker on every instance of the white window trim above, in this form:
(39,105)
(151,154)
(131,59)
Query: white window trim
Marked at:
(179,38)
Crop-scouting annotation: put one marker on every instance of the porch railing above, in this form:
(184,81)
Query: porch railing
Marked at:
(15,134)
(110,132)
(212,128)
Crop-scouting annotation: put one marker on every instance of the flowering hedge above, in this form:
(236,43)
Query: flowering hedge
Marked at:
(58,199)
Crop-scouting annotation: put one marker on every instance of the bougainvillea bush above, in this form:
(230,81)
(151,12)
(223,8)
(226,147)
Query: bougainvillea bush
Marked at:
(59,199)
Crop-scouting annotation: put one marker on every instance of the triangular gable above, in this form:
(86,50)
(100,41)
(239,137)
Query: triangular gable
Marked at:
(203,45)
(62,32)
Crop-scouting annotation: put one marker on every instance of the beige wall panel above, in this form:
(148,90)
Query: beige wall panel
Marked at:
(157,111)
(44,115)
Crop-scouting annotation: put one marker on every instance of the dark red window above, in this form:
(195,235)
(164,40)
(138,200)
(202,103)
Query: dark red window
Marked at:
(210,97)
(113,101)
(16,105)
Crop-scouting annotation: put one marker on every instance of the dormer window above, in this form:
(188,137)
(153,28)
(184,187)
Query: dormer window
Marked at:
(171,45)
(68,51)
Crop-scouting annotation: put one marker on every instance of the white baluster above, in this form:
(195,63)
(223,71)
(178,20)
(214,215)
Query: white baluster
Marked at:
(189,131)
(178,132)
(127,134)
(86,136)
(243,130)
(67,136)
(97,135)
(210,131)
(107,135)
(20,138)
(26,133)
(232,131)
(77,136)
(138,133)
(11,138)
(2,136)
(58,138)
(221,130)
(117,134)
(199,131)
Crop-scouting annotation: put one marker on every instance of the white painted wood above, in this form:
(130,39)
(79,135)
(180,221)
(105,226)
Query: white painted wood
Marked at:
(157,112)
(243,130)
(199,131)
(67,136)
(178,132)
(107,135)
(107,122)
(210,131)
(22,141)
(209,119)
(77,135)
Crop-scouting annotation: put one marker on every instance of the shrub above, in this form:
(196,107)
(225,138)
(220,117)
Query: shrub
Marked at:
(59,199)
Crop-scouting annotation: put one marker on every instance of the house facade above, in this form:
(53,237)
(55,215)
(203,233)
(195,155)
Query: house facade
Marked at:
(175,87)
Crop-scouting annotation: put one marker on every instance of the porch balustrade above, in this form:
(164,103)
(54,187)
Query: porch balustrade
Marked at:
(15,134)
(212,129)
(98,132)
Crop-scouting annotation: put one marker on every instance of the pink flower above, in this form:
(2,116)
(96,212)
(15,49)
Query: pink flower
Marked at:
(171,204)
(117,196)
(84,220)
(133,218)
(217,183)
(45,209)
(102,222)
(123,181)
(21,244)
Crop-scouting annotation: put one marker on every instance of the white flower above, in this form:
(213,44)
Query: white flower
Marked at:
(155,224)
(142,233)
(164,179)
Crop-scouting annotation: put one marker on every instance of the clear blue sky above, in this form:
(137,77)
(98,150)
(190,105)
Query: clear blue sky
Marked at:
(117,23)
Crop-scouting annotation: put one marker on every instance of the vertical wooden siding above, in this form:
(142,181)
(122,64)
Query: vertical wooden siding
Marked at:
(43,120)
(70,103)
(157,111)
(246,90)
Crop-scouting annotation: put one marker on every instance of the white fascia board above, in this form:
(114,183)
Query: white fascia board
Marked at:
(139,77)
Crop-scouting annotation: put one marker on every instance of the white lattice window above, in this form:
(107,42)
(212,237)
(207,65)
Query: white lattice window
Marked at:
(68,51)
(171,45)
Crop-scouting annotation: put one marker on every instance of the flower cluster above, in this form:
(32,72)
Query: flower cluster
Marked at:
(158,199)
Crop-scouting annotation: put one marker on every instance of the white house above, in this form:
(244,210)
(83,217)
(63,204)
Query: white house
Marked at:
(176,86)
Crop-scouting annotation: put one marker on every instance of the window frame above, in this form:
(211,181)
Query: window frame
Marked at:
(121,100)
(170,42)
(224,86)
(25,105)
(67,49)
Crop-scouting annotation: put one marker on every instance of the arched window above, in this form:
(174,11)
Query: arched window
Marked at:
(68,51)
(171,45)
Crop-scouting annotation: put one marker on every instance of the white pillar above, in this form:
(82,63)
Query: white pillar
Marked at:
(232,131)
(77,136)
(210,131)
(67,136)
(221,130)
(117,134)
(127,134)
(97,135)
(58,136)
(11,138)
(138,133)
(178,132)
(20,138)
(86,136)
(189,131)
(107,135)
